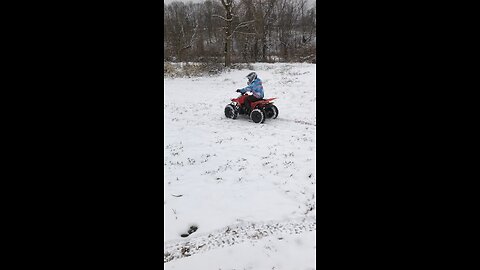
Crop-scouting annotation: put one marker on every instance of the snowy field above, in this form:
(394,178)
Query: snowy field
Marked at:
(245,191)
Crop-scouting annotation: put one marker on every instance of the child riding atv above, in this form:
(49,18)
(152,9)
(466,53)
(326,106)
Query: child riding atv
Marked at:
(253,105)
(254,85)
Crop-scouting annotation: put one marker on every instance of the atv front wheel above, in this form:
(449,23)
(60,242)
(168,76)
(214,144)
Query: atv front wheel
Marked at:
(257,116)
(231,112)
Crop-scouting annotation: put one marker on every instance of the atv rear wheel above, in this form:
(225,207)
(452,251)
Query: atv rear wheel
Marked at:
(231,112)
(257,116)
(271,112)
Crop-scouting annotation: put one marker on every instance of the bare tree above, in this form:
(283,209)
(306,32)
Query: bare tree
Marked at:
(264,17)
(228,5)
(240,30)
(229,30)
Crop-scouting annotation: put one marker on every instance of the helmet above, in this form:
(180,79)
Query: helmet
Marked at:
(251,77)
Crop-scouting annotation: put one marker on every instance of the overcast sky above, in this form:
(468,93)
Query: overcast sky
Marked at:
(199,1)
(195,1)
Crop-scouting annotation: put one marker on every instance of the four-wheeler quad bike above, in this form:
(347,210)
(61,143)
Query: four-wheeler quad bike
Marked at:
(261,109)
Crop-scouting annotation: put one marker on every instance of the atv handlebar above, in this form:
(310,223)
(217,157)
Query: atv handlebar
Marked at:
(238,91)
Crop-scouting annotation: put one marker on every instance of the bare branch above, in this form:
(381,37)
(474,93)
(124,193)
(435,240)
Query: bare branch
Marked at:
(240,25)
(307,57)
(245,33)
(190,44)
(223,18)
(245,23)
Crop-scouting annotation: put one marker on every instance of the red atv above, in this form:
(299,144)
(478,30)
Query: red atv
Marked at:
(261,109)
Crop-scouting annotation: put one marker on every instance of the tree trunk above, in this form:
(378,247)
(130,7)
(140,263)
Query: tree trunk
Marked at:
(228,44)
(228,5)
(264,49)
(227,54)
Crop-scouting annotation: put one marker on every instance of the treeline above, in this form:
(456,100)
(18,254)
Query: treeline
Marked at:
(240,31)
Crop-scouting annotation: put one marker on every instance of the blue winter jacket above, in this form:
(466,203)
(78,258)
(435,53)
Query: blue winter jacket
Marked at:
(255,87)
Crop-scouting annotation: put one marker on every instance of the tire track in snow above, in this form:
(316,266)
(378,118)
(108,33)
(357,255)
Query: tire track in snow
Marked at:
(296,121)
(232,235)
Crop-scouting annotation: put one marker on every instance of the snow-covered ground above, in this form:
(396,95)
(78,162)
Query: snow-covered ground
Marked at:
(248,188)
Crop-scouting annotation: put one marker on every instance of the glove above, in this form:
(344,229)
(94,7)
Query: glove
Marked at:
(238,90)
